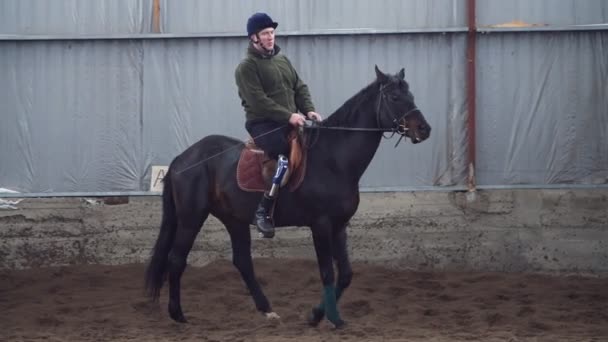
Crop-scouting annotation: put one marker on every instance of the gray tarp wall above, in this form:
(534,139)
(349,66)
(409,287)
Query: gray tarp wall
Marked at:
(90,98)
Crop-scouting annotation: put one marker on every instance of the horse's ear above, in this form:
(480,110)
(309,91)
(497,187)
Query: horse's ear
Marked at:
(402,74)
(380,75)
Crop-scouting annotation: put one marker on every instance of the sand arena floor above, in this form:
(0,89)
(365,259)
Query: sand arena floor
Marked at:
(106,303)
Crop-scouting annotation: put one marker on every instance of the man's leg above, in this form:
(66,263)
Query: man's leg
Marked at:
(272,138)
(263,217)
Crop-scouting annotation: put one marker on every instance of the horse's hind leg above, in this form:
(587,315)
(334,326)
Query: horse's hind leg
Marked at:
(187,229)
(345,273)
(240,238)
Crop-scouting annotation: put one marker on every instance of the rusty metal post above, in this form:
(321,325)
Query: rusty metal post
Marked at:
(471,91)
(156,16)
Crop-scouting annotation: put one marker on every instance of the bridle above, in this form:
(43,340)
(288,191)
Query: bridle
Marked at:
(398,122)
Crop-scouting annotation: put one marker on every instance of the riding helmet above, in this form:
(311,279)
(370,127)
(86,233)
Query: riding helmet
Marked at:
(259,21)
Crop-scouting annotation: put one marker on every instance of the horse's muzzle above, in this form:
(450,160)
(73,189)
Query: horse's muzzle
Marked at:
(418,133)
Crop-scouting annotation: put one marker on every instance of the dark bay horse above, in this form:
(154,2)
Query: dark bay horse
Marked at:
(344,145)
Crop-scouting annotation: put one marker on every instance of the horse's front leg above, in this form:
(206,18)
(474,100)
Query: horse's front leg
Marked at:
(240,238)
(345,273)
(322,234)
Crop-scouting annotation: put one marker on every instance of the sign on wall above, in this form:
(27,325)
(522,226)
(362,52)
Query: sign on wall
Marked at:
(156,181)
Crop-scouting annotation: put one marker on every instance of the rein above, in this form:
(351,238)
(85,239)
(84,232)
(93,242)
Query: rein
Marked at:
(398,128)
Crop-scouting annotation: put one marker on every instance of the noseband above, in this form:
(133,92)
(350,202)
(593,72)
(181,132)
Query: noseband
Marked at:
(398,122)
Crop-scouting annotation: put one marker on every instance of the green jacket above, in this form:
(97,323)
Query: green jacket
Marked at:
(269,87)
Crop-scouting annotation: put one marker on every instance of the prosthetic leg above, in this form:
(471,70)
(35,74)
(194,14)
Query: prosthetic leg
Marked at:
(263,219)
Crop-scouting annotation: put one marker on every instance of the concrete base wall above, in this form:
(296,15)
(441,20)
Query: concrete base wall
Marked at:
(555,231)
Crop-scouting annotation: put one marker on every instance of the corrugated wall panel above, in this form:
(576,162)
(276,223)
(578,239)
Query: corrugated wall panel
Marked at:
(193,16)
(542,12)
(543,108)
(70,116)
(73,17)
(189,92)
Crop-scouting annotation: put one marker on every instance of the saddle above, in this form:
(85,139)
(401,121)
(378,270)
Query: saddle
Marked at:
(255,169)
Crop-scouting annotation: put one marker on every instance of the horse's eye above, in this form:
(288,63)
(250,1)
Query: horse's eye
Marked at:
(394,97)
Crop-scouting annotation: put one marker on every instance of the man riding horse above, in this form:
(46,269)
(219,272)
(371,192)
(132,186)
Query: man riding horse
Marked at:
(273,97)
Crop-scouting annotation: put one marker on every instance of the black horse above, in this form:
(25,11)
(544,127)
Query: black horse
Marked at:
(342,147)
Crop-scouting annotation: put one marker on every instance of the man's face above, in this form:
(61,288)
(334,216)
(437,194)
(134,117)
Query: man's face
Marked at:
(266,38)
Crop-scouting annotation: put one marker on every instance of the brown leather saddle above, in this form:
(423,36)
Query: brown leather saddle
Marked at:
(255,169)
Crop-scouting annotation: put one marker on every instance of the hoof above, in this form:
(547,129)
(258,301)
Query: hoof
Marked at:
(315,317)
(177,314)
(340,325)
(179,318)
(272,316)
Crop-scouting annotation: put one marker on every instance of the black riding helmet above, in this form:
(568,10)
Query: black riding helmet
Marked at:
(259,21)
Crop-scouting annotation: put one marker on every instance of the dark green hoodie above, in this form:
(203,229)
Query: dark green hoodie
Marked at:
(269,87)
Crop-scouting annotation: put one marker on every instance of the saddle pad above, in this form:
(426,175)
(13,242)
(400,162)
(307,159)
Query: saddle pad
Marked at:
(249,170)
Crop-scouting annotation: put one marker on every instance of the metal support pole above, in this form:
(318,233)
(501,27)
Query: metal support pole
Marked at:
(471,91)
(156,16)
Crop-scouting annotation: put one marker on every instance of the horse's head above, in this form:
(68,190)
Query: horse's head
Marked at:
(396,107)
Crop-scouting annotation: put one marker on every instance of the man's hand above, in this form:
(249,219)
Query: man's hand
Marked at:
(297,119)
(314,116)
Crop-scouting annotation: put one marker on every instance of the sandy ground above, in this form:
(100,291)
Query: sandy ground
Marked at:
(106,303)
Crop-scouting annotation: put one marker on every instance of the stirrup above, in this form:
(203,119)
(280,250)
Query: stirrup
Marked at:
(266,232)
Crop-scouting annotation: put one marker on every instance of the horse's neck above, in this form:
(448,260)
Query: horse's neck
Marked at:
(358,149)
(352,151)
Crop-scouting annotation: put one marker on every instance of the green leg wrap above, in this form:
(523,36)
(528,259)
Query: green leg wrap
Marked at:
(321,306)
(330,304)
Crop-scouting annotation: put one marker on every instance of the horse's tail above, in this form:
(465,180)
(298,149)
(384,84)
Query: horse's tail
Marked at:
(157,267)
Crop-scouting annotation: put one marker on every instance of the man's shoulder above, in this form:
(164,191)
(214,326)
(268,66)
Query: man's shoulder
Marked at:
(246,63)
(247,60)
(282,58)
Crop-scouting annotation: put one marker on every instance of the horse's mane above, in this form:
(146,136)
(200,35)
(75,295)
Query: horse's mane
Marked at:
(344,115)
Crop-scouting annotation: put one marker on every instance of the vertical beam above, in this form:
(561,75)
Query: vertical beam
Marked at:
(471,91)
(156,16)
